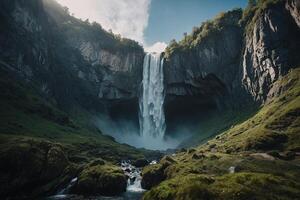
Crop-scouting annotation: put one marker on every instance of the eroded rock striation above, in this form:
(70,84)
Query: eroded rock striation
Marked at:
(271,48)
(241,53)
(68,60)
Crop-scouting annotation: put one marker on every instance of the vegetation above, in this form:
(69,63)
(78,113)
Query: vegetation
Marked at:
(245,185)
(107,40)
(254,11)
(217,122)
(43,148)
(274,127)
(208,29)
(255,159)
(72,27)
(23,113)
(104,179)
(154,174)
(44,143)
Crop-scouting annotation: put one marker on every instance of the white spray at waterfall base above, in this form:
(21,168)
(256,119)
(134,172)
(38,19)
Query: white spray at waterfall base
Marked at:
(152,117)
(152,123)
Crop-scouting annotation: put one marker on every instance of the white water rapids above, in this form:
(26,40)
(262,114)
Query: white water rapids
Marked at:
(152,117)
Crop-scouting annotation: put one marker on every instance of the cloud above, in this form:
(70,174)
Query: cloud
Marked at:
(157,47)
(126,17)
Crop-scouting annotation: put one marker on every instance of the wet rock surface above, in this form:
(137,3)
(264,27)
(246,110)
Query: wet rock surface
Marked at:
(133,189)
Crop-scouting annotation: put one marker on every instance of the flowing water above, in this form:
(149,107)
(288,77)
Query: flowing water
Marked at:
(152,129)
(152,123)
(152,117)
(134,189)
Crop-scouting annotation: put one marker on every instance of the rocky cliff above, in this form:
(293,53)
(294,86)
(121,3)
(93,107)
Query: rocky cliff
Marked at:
(241,52)
(68,60)
(271,46)
(215,45)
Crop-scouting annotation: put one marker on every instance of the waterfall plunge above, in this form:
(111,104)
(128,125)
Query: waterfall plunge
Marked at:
(152,117)
(151,113)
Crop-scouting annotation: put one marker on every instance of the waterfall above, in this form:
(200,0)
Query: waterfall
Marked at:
(152,117)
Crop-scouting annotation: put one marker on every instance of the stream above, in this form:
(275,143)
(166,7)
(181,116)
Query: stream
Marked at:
(134,189)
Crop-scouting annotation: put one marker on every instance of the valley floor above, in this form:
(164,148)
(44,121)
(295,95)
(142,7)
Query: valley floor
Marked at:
(41,150)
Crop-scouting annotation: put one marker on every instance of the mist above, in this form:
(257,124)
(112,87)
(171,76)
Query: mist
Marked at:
(127,131)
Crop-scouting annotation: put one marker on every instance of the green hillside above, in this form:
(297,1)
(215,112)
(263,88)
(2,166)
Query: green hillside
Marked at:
(257,158)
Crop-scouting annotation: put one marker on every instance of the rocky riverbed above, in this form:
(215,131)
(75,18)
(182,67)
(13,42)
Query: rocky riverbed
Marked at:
(134,190)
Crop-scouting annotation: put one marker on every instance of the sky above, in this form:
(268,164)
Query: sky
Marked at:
(153,23)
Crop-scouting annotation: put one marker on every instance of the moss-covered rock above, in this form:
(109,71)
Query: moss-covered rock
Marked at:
(154,174)
(237,186)
(96,162)
(257,159)
(101,179)
(31,167)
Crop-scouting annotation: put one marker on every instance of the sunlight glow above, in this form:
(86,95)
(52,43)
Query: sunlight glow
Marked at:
(126,17)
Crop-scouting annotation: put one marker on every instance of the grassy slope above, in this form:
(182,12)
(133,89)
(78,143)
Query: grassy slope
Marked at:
(23,114)
(216,123)
(274,127)
(262,150)
(43,148)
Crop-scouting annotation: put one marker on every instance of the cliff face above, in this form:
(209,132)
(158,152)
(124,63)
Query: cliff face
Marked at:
(271,47)
(244,54)
(66,59)
(122,70)
(214,54)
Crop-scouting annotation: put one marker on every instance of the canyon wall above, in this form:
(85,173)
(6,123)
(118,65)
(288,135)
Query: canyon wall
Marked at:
(67,60)
(239,54)
(228,62)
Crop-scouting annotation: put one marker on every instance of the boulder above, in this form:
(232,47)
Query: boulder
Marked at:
(32,167)
(101,179)
(152,176)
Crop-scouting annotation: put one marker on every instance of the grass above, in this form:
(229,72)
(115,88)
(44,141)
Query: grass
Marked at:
(239,18)
(103,178)
(274,127)
(217,123)
(25,114)
(204,172)
(229,186)
(208,29)
(251,14)
(42,148)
